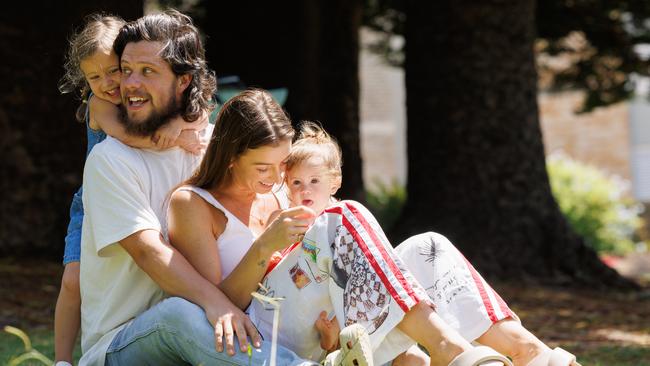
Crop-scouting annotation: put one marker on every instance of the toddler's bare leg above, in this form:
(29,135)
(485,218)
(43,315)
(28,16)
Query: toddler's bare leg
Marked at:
(414,356)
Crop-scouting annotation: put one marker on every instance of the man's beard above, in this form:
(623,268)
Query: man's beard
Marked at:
(153,122)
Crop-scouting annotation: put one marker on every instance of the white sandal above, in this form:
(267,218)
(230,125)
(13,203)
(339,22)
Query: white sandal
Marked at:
(554,357)
(355,348)
(481,356)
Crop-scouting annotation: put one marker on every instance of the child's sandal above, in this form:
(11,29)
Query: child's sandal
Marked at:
(355,348)
(481,356)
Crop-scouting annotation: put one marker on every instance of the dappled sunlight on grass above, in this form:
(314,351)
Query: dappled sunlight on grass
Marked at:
(600,327)
(631,338)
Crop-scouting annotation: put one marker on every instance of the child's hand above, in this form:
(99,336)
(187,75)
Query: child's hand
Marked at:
(329,332)
(190,140)
(165,137)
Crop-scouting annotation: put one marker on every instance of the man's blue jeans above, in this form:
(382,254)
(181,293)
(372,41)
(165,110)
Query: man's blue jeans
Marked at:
(177,332)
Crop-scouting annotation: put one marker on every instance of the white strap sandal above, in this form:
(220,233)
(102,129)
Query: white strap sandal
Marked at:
(481,356)
(554,357)
(355,348)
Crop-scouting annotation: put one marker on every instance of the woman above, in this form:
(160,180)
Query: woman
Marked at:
(228,200)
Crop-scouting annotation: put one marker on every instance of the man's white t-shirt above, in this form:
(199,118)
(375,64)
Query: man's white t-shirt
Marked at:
(125,191)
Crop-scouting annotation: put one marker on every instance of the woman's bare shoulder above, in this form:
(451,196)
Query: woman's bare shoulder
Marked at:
(185,200)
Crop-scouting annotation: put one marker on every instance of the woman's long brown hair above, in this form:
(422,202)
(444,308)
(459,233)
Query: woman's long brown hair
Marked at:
(249,120)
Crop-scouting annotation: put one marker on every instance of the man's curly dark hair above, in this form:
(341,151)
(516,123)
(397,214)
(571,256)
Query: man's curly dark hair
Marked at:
(183,50)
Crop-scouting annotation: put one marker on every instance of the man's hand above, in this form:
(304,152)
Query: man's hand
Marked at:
(229,321)
(174,274)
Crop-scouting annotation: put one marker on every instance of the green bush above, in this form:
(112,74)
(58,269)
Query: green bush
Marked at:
(595,204)
(385,201)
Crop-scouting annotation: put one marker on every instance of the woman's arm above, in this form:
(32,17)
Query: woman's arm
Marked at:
(105,116)
(193,229)
(281,233)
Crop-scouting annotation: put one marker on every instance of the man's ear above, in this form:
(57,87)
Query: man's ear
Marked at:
(183,82)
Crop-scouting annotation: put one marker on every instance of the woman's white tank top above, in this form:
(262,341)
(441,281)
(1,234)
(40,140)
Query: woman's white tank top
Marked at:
(236,238)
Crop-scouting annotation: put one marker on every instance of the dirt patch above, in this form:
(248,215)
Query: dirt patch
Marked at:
(29,290)
(585,319)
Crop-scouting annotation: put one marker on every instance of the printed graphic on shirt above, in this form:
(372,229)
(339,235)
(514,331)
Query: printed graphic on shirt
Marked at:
(299,277)
(316,273)
(310,249)
(365,298)
(310,252)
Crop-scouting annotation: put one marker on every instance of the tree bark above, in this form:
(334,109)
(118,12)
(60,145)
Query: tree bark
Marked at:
(475,152)
(42,147)
(339,86)
(310,47)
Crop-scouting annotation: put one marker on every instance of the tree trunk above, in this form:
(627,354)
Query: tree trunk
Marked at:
(41,146)
(339,86)
(311,47)
(475,153)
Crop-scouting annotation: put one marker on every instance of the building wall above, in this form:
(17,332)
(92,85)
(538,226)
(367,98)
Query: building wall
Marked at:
(382,119)
(640,146)
(600,138)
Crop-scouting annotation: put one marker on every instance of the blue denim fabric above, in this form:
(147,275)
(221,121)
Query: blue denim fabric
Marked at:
(176,332)
(72,251)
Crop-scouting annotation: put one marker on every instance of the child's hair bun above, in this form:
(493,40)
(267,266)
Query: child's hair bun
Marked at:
(313,131)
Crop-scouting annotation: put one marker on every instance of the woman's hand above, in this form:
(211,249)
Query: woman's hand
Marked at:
(229,321)
(287,228)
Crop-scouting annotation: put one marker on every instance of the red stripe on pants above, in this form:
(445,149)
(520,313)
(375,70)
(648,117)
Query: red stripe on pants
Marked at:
(371,259)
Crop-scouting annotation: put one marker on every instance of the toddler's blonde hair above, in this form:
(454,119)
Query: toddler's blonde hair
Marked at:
(314,141)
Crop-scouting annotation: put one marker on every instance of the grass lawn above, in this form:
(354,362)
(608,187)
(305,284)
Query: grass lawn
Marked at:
(602,355)
(602,328)
(42,340)
(617,356)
